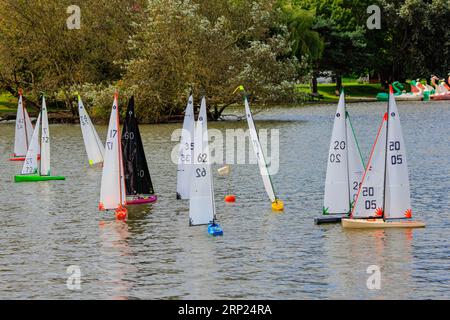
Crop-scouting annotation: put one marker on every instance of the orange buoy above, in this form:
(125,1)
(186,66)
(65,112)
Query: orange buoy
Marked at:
(230,198)
(121,213)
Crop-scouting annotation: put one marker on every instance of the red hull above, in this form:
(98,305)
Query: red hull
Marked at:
(17,159)
(13,158)
(440,96)
(137,201)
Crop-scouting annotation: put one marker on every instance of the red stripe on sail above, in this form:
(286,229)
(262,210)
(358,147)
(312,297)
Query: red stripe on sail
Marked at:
(369,164)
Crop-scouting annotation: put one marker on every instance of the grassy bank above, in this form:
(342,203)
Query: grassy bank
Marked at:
(353,90)
(7,103)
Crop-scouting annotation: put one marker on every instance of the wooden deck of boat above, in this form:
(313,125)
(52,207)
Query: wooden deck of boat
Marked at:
(379,223)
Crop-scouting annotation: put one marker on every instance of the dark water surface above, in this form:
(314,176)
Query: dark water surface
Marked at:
(49,226)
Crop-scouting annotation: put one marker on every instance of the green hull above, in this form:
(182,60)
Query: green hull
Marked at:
(35,177)
(382,96)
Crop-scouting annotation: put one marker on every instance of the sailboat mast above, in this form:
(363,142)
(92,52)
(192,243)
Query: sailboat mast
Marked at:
(346,150)
(24,119)
(261,153)
(119,142)
(386,153)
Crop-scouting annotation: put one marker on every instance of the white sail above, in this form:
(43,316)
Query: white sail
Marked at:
(28,124)
(112,192)
(398,201)
(45,141)
(186,151)
(336,198)
(24,130)
(355,161)
(94,148)
(30,166)
(370,197)
(202,207)
(259,154)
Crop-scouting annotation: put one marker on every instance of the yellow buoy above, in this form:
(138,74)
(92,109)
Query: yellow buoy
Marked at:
(278,205)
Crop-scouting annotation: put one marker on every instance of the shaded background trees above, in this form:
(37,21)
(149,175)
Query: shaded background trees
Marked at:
(160,49)
(39,53)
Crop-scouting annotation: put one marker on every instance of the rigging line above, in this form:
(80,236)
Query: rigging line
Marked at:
(369,163)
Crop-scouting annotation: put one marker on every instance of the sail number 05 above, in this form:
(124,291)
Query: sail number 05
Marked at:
(369,192)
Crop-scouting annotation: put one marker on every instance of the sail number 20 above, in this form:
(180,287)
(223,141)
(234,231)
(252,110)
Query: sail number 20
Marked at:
(395,146)
(336,157)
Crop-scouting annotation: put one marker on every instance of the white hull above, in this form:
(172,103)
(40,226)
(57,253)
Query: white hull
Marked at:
(379,223)
(409,97)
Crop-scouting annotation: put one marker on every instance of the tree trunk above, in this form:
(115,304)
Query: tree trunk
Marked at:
(314,83)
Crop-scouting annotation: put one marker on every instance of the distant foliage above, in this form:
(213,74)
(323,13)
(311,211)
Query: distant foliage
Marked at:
(210,47)
(159,50)
(39,53)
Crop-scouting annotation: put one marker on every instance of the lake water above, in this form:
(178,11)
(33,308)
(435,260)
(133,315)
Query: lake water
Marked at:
(47,227)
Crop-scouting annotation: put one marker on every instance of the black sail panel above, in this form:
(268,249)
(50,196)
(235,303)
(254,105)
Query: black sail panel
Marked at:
(137,175)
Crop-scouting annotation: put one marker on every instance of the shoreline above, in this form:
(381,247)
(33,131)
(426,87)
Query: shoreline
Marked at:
(66,117)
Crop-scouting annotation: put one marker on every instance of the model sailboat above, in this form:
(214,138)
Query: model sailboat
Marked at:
(23,133)
(277,204)
(94,147)
(344,169)
(383,199)
(186,151)
(138,183)
(31,171)
(202,207)
(112,191)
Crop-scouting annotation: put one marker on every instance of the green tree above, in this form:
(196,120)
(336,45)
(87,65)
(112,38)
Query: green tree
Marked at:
(210,47)
(343,35)
(306,43)
(39,53)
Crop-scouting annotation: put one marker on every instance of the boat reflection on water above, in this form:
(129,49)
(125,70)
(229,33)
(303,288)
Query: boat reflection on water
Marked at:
(200,255)
(114,237)
(352,260)
(119,266)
